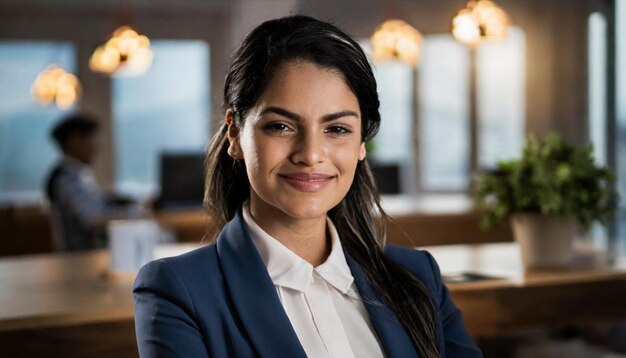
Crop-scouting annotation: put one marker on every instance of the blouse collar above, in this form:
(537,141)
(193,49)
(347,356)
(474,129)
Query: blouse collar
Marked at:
(289,270)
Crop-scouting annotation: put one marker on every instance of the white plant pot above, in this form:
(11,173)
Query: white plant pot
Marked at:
(545,241)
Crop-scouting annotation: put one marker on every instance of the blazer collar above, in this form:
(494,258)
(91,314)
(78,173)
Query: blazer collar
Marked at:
(262,315)
(391,333)
(253,294)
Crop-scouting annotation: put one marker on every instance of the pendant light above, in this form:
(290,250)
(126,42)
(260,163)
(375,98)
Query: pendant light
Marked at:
(126,53)
(54,85)
(396,39)
(480,20)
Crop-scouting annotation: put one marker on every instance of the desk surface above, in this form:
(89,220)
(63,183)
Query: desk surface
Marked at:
(61,289)
(502,263)
(589,292)
(72,289)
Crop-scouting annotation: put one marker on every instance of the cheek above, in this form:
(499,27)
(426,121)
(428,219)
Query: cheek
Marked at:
(261,155)
(346,157)
(249,147)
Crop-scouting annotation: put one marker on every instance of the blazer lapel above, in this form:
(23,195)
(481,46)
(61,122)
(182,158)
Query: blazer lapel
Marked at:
(391,333)
(254,295)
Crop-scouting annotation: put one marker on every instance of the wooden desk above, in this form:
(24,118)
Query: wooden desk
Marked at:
(67,289)
(53,290)
(527,300)
(67,305)
(438,220)
(188,225)
(55,305)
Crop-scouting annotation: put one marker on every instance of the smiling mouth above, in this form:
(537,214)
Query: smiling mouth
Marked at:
(308,183)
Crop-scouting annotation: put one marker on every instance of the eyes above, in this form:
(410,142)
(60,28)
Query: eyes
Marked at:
(276,127)
(282,128)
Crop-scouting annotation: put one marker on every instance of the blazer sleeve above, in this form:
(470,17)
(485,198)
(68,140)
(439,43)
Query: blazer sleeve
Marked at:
(164,313)
(457,340)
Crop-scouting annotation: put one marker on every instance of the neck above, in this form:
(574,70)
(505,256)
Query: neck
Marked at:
(73,160)
(305,237)
(76,158)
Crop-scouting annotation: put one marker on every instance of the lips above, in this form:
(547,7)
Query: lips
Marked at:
(307,182)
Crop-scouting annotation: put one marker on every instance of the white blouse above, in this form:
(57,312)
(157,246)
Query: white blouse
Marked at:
(321,302)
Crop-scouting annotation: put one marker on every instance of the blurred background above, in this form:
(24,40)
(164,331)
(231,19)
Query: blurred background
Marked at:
(458,106)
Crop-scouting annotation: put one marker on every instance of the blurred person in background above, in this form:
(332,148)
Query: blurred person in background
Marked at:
(80,209)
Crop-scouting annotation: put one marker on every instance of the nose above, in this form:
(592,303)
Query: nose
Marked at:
(309,149)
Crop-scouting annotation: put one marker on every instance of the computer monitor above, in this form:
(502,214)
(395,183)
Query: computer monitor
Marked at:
(182,180)
(387,177)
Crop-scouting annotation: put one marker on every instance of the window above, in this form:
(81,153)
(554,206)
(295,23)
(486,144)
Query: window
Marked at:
(444,114)
(165,110)
(501,86)
(597,86)
(620,22)
(392,145)
(443,133)
(26,149)
(597,115)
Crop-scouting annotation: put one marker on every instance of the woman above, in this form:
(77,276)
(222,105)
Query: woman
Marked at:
(299,267)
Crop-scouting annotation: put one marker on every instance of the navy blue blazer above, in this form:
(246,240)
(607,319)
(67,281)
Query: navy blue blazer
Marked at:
(219,301)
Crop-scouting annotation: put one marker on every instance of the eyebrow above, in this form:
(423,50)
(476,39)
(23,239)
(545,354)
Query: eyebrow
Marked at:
(296,117)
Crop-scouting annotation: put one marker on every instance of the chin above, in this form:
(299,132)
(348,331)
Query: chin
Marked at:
(304,208)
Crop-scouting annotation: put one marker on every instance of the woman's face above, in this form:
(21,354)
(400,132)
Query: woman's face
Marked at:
(300,143)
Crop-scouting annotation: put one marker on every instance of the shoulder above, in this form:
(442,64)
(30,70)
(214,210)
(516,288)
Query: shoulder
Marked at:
(194,262)
(175,305)
(416,261)
(188,272)
(58,172)
(419,262)
(63,176)
(408,256)
(61,181)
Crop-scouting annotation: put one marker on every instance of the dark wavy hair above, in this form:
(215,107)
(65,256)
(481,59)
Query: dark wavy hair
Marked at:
(359,218)
(80,124)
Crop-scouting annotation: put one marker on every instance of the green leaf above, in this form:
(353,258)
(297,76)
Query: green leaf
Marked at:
(551,177)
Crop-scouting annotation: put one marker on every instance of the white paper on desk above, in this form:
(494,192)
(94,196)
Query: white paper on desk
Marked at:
(131,243)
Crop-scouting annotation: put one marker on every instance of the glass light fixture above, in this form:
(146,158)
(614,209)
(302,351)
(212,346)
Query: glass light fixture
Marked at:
(126,53)
(55,85)
(395,39)
(480,20)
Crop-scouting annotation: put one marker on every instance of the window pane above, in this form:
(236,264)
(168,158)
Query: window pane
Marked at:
(501,86)
(394,91)
(444,130)
(596,59)
(165,110)
(621,121)
(597,86)
(26,150)
(392,145)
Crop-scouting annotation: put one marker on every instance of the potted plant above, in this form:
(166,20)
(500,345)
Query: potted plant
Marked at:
(551,192)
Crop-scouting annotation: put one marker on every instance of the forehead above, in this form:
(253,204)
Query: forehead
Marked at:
(307,87)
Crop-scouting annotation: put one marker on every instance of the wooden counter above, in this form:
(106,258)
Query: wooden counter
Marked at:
(589,292)
(60,290)
(68,303)
(188,225)
(65,305)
